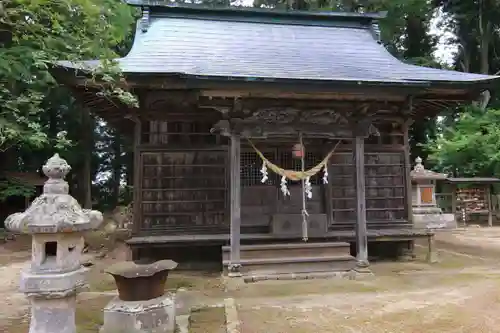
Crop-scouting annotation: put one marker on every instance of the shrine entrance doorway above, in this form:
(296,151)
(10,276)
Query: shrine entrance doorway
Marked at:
(264,208)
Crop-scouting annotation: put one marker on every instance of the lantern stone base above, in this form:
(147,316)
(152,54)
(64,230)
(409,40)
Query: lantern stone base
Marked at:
(53,315)
(55,285)
(152,316)
(434,221)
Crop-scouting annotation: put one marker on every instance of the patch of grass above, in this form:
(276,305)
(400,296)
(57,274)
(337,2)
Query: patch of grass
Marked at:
(208,284)
(100,281)
(208,320)
(89,314)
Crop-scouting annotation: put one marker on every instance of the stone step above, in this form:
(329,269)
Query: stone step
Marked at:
(296,265)
(289,250)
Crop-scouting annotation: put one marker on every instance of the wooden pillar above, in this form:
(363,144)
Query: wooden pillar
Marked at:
(137,189)
(490,205)
(407,170)
(453,190)
(328,196)
(234,267)
(361,229)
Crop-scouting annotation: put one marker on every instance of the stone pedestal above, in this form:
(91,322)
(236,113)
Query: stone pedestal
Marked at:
(152,316)
(53,315)
(141,305)
(57,224)
(434,220)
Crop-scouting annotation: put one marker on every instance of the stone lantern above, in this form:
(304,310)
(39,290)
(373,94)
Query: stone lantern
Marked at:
(57,223)
(426,213)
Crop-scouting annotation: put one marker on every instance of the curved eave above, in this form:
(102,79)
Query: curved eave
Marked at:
(83,70)
(430,97)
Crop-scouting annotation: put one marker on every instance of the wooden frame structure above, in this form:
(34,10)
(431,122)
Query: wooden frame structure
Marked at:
(478,195)
(216,82)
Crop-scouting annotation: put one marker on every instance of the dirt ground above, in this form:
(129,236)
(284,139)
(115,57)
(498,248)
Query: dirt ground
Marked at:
(461,293)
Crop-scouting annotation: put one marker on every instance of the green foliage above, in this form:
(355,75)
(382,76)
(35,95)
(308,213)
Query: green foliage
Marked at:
(471,147)
(112,83)
(12,187)
(36,114)
(36,33)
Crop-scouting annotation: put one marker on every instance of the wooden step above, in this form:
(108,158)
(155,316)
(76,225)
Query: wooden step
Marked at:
(289,250)
(295,265)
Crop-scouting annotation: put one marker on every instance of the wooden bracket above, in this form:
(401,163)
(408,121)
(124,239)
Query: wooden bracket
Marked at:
(133,117)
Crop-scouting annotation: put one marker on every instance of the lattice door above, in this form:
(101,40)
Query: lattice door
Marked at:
(184,191)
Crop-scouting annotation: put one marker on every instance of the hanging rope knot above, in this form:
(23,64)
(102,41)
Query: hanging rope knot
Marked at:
(263,171)
(284,187)
(293,174)
(303,175)
(308,188)
(325,174)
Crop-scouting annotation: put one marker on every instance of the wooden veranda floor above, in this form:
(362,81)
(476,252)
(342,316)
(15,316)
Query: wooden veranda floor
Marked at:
(380,235)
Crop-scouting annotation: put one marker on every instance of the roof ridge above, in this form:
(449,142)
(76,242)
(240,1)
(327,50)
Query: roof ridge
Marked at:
(166,6)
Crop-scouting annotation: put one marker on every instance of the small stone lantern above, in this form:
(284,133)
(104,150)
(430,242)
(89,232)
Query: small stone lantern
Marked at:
(424,186)
(426,213)
(57,223)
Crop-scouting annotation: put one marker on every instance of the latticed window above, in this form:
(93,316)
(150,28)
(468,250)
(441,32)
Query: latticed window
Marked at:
(251,164)
(181,132)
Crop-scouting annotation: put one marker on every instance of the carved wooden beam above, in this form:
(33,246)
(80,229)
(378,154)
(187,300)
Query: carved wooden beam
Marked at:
(163,99)
(253,129)
(250,105)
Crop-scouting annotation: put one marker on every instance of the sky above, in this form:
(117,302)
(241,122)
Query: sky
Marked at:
(444,52)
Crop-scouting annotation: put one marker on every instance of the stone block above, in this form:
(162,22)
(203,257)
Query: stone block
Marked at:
(56,284)
(151,316)
(434,221)
(53,315)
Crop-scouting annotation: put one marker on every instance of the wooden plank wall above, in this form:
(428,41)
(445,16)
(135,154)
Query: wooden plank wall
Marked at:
(385,182)
(184,177)
(185,181)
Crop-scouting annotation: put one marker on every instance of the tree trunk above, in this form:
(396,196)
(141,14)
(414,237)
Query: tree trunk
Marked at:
(485,50)
(117,171)
(88,144)
(485,38)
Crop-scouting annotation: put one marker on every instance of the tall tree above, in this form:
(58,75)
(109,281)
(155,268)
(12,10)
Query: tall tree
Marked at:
(35,112)
(471,147)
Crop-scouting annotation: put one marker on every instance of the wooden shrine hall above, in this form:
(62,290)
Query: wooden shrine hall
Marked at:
(281,137)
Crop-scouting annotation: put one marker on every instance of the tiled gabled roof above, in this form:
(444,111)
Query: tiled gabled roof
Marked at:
(243,44)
